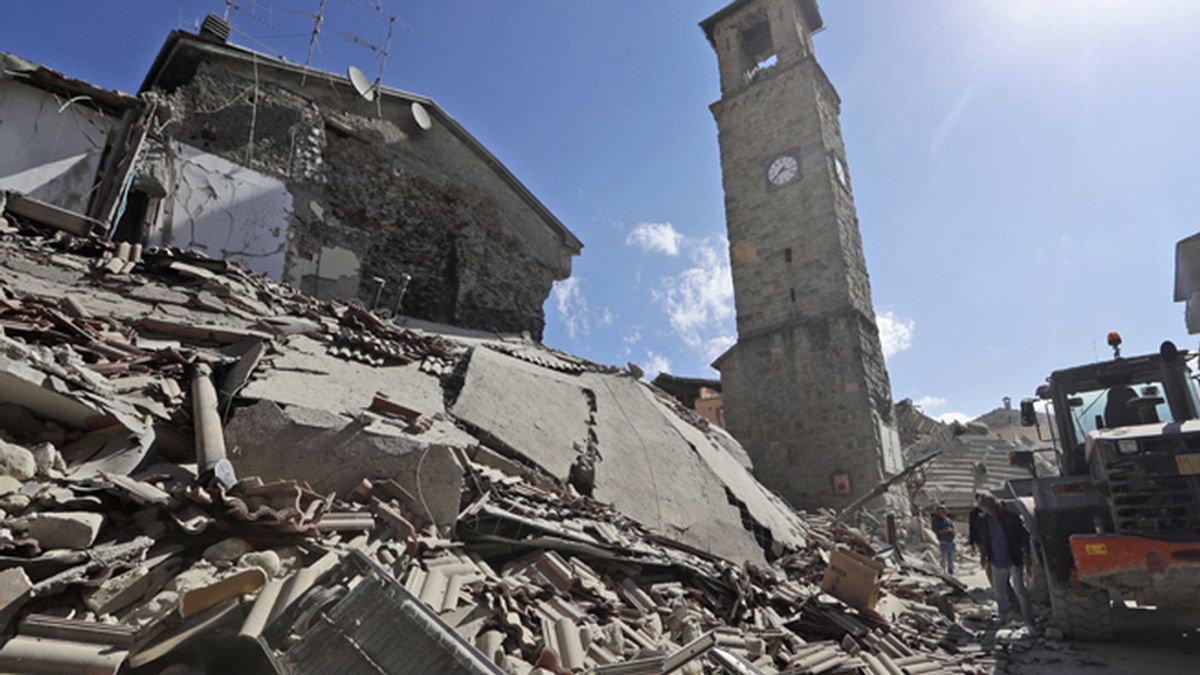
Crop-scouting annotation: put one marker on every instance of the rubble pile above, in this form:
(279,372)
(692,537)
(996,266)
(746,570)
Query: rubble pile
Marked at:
(200,468)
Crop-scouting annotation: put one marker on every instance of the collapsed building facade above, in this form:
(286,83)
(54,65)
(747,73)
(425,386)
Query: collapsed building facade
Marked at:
(376,195)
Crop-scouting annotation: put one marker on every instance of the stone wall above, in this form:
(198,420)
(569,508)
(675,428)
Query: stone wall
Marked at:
(806,388)
(372,201)
(802,408)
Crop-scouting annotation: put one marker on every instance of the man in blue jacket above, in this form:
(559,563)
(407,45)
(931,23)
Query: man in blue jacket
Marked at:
(943,527)
(1005,543)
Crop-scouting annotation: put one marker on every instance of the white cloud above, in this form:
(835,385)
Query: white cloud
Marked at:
(572,306)
(661,237)
(717,346)
(895,333)
(631,338)
(927,403)
(655,364)
(947,418)
(606,317)
(699,300)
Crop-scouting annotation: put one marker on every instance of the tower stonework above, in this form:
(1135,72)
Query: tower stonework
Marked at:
(806,388)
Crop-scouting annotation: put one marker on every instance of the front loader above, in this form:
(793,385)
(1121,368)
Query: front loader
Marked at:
(1121,523)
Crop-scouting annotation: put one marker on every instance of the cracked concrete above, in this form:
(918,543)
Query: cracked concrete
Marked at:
(649,463)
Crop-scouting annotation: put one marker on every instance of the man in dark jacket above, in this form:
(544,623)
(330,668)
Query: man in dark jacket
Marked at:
(974,529)
(1005,543)
(943,527)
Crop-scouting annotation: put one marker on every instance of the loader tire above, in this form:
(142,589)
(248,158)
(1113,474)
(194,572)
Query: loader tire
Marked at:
(1084,616)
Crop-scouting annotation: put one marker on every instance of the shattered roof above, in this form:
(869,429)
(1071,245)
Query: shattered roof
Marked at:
(177,59)
(679,380)
(395,487)
(51,80)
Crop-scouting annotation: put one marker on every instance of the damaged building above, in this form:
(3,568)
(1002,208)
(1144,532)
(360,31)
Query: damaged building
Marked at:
(971,458)
(221,450)
(343,192)
(805,387)
(700,394)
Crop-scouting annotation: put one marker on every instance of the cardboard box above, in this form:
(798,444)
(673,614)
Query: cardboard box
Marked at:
(853,578)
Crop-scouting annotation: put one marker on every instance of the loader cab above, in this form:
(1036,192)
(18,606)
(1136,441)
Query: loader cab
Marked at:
(1122,392)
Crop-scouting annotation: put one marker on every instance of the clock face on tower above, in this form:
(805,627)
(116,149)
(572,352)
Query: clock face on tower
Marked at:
(783,170)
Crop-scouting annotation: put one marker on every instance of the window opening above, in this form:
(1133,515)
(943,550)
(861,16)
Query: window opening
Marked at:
(759,49)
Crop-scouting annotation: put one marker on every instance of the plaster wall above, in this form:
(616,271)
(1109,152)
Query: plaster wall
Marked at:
(49,154)
(225,210)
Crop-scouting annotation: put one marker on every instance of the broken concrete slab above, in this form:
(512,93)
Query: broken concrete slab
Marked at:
(305,375)
(122,590)
(761,505)
(244,582)
(649,472)
(522,407)
(65,529)
(333,454)
(33,389)
(644,467)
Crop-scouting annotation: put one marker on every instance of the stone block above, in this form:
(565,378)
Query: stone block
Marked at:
(16,461)
(15,589)
(66,529)
(48,460)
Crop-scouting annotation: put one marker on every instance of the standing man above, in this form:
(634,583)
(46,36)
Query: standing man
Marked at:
(975,533)
(1005,542)
(944,528)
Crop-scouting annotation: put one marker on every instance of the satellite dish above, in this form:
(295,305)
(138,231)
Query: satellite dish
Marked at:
(361,84)
(416,121)
(421,117)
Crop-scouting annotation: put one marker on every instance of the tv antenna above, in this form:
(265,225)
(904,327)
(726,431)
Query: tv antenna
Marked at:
(318,18)
(381,52)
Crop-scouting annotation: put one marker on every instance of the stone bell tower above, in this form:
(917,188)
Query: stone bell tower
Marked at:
(806,388)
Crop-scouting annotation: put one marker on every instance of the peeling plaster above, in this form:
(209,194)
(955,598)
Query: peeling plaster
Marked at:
(227,211)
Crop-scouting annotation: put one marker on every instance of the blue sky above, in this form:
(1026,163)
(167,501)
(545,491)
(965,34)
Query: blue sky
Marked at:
(1022,168)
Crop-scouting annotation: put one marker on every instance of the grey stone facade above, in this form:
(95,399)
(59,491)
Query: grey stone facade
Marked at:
(360,192)
(806,387)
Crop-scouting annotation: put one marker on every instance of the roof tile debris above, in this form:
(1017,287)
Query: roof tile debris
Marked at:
(207,469)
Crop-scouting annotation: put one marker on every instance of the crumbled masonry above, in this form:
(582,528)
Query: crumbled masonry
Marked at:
(273,401)
(445,458)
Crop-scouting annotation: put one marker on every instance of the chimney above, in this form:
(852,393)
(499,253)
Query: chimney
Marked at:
(215,28)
